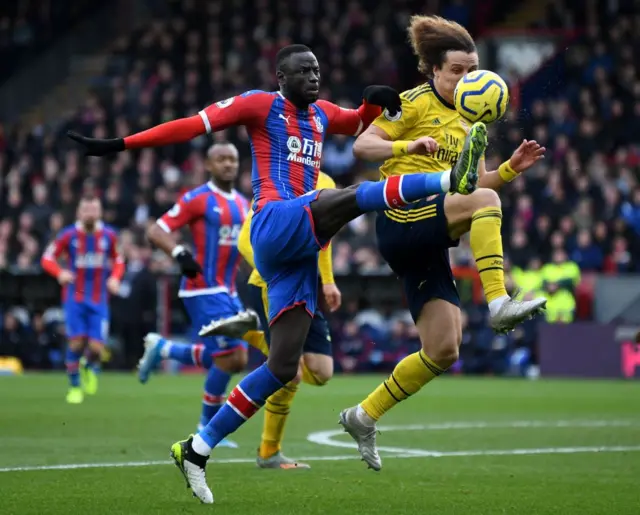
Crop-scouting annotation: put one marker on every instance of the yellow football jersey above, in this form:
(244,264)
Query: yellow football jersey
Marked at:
(244,242)
(424,113)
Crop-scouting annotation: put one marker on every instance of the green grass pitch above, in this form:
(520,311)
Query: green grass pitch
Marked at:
(462,446)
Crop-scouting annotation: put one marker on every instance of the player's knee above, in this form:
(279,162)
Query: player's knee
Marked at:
(446,352)
(317,370)
(485,197)
(285,370)
(235,362)
(76,345)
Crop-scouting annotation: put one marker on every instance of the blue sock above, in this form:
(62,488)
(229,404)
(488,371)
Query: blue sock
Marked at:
(185,353)
(243,402)
(72,362)
(398,191)
(215,387)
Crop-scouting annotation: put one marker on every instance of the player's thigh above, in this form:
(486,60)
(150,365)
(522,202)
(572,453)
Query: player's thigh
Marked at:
(98,325)
(294,285)
(332,209)
(282,233)
(76,321)
(460,208)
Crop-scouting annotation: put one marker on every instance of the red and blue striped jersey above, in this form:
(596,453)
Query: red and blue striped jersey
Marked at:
(91,256)
(286,142)
(214,218)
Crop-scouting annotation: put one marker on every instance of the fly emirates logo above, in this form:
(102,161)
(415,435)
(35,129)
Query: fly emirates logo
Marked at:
(305,151)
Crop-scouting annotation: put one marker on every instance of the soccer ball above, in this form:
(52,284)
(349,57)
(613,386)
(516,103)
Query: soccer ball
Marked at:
(481,96)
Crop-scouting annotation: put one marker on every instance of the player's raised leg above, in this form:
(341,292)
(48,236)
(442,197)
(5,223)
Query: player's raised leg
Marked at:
(334,208)
(481,214)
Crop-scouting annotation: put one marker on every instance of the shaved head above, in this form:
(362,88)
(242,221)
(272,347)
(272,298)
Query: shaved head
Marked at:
(223,161)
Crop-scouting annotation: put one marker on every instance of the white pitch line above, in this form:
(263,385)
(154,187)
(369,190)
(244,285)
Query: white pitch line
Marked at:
(354,457)
(326,438)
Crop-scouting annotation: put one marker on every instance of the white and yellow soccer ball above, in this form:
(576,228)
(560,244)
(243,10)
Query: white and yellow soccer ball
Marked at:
(481,96)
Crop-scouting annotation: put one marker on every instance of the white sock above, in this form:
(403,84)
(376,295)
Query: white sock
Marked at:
(364,418)
(200,446)
(445,181)
(496,304)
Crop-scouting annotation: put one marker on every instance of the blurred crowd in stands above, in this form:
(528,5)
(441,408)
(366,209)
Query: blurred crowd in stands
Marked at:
(576,213)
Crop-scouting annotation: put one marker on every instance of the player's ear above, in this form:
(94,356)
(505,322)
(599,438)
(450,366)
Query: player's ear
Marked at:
(280,76)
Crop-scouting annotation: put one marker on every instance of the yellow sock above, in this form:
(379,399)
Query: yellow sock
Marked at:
(486,245)
(411,374)
(276,412)
(310,378)
(257,340)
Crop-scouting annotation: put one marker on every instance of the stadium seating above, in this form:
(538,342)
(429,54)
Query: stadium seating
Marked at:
(582,198)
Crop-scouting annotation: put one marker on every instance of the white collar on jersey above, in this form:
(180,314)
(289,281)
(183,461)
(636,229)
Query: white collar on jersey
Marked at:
(98,227)
(225,194)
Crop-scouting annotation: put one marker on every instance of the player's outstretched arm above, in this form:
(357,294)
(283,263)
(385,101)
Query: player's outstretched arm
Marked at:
(175,131)
(239,110)
(352,122)
(525,156)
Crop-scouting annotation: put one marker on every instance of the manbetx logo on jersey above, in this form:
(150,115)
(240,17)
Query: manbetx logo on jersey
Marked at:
(310,150)
(90,260)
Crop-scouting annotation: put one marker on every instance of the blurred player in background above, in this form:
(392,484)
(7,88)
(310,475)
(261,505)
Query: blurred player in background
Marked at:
(291,223)
(214,213)
(316,365)
(93,270)
(430,135)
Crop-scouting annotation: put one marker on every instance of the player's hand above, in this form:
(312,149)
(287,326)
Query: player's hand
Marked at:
(383,96)
(97,147)
(65,277)
(526,155)
(423,146)
(113,285)
(332,296)
(189,266)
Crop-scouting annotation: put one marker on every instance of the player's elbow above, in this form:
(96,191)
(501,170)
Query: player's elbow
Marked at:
(365,147)
(360,147)
(154,233)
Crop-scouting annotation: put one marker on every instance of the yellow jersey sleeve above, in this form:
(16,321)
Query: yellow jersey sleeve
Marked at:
(325,264)
(397,126)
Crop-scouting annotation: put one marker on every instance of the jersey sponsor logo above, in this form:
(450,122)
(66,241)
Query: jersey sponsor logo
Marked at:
(306,152)
(225,103)
(393,118)
(285,118)
(174,211)
(318,122)
(90,260)
(294,145)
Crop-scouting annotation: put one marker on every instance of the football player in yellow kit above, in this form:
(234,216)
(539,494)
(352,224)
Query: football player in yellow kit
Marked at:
(316,364)
(430,135)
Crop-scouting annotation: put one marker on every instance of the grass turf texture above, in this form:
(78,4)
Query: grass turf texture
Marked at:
(127,422)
